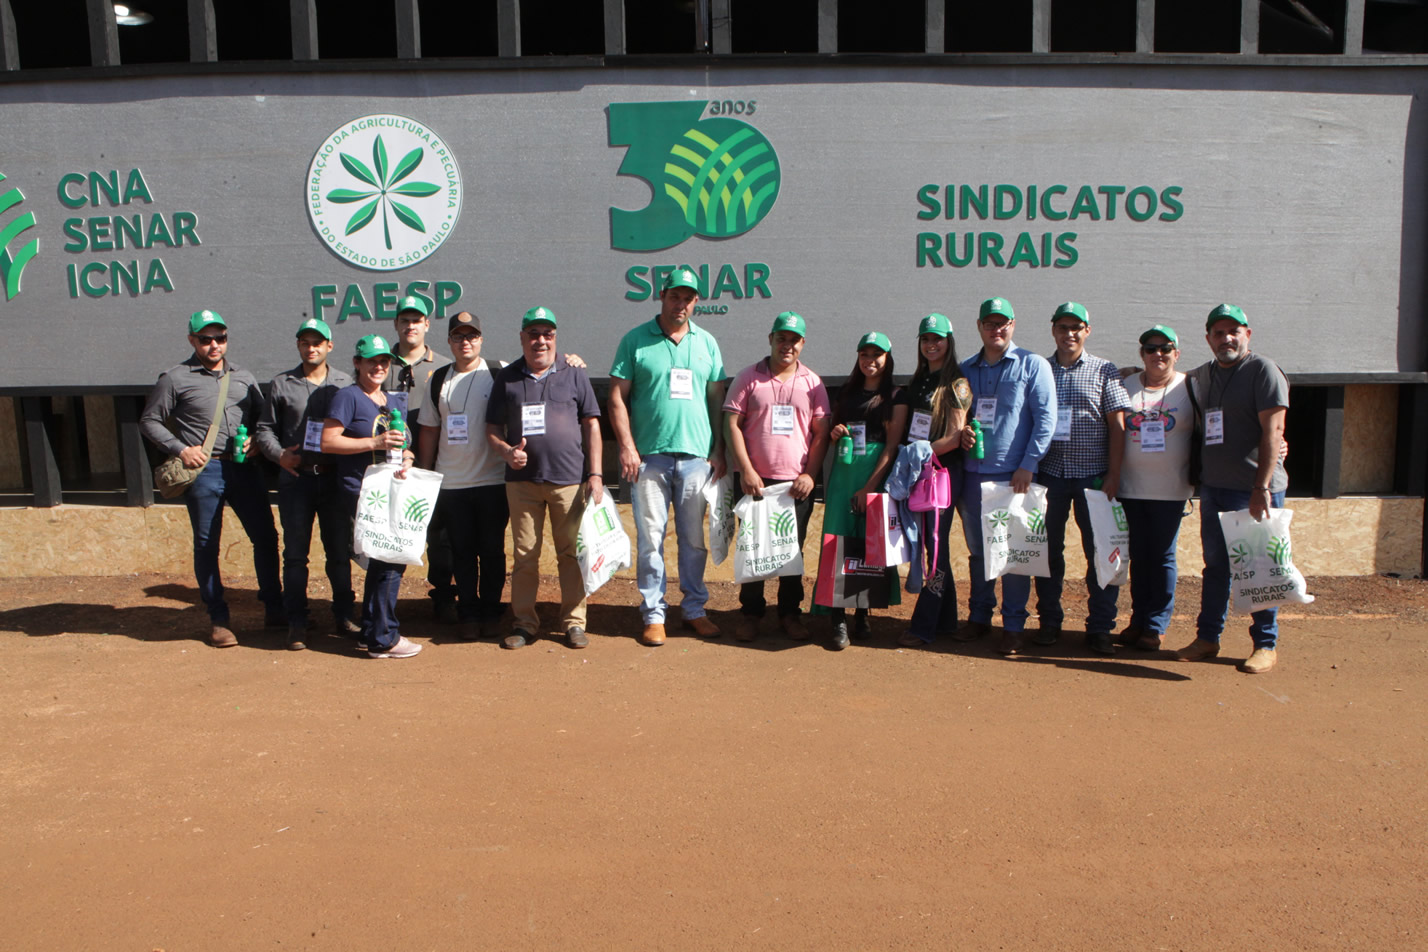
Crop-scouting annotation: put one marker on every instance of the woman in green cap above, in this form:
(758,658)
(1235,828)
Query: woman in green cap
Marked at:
(869,415)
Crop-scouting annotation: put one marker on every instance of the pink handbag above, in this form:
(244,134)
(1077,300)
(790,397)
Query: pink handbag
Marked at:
(933,489)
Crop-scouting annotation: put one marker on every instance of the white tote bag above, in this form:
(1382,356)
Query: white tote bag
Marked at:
(720,495)
(393,514)
(602,548)
(1110,535)
(1262,572)
(766,544)
(1013,531)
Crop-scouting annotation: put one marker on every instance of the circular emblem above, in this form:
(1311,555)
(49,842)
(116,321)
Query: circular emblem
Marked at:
(384,192)
(724,175)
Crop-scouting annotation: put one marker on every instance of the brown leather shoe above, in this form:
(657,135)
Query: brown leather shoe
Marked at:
(1198,650)
(794,627)
(702,626)
(747,629)
(653,635)
(1009,643)
(222,637)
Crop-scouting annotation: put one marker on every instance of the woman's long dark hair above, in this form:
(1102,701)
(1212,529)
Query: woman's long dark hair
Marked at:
(946,377)
(851,393)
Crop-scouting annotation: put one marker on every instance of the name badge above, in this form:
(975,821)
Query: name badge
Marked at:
(859,433)
(1214,427)
(532,419)
(1063,424)
(781,420)
(1152,436)
(921,426)
(681,384)
(312,436)
(457,433)
(987,410)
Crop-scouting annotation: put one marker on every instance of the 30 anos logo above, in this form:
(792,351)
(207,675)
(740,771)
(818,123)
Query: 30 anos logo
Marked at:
(384,192)
(12,263)
(715,177)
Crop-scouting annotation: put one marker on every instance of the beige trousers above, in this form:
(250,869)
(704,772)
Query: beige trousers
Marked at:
(529,502)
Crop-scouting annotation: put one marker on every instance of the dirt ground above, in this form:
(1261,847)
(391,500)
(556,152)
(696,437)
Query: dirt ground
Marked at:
(160,794)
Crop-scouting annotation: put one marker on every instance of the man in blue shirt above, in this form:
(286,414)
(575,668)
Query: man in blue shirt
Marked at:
(1014,399)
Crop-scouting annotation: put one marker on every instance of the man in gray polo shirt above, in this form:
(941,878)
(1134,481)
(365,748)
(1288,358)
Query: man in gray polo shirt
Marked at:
(290,434)
(1243,400)
(176,418)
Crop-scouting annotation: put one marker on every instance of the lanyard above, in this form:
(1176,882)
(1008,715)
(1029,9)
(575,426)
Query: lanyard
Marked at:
(792,385)
(449,387)
(1214,375)
(1146,388)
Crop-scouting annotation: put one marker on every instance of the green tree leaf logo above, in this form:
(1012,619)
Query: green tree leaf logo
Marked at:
(783,525)
(418,508)
(1239,553)
(384,184)
(376,499)
(999,518)
(1279,550)
(12,264)
(1036,521)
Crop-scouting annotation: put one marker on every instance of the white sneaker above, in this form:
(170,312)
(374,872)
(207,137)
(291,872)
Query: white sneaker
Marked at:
(402,649)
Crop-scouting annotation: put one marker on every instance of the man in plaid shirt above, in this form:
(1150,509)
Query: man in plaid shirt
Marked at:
(1086,451)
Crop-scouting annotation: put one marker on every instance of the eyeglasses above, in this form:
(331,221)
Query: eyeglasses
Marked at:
(204,339)
(1164,349)
(995,325)
(1069,328)
(458,338)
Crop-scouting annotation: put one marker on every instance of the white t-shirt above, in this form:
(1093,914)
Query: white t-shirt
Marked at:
(1158,475)
(470,463)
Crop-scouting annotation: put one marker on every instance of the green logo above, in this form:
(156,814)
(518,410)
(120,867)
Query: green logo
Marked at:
(1279,551)
(399,219)
(714,177)
(604,522)
(1239,553)
(999,518)
(418,508)
(1119,512)
(12,264)
(376,499)
(1036,521)
(783,524)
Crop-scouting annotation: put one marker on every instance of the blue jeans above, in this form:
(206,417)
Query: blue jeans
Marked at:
(1016,589)
(300,500)
(936,610)
(240,485)
(476,519)
(1154,527)
(670,479)
(379,604)
(1215,589)
(1063,495)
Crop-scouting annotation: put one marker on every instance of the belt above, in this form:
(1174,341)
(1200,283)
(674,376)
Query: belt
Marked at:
(316,469)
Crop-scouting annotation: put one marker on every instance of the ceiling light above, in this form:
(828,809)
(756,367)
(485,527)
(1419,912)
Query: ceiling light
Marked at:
(125,15)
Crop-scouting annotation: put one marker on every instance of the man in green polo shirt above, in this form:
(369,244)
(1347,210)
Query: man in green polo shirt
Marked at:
(666,395)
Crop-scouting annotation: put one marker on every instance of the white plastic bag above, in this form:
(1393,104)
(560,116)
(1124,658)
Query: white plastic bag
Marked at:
(766,544)
(1013,531)
(393,514)
(1262,572)
(602,548)
(720,495)
(1110,535)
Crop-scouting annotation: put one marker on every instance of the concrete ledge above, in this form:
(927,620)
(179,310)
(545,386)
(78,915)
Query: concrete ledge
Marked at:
(1352,535)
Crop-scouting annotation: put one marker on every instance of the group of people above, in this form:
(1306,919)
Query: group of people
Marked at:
(520,443)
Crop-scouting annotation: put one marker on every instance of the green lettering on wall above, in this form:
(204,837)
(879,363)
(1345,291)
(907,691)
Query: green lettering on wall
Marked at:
(977,200)
(1111,191)
(67,200)
(1148,194)
(756,278)
(447,294)
(1065,243)
(1006,202)
(354,305)
(964,259)
(386,295)
(1024,252)
(640,289)
(989,248)
(1173,208)
(927,198)
(1046,210)
(929,243)
(1085,204)
(136,187)
(157,277)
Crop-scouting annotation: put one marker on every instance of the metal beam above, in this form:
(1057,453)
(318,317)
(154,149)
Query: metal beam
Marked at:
(202,33)
(1145,26)
(615,27)
(133,458)
(1331,443)
(408,30)
(827,26)
(44,469)
(9,41)
(1249,26)
(508,27)
(1353,27)
(935,21)
(103,33)
(720,35)
(303,16)
(1041,26)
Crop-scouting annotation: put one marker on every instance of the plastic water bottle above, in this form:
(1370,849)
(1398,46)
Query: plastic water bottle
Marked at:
(845,449)
(979,448)
(397,425)
(239,439)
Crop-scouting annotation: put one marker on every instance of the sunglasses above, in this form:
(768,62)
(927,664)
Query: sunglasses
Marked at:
(1165,349)
(205,339)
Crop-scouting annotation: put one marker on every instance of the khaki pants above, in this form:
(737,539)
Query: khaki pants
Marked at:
(529,502)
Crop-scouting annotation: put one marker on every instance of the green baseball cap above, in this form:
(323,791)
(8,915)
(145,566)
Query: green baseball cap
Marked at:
(315,324)
(789,321)
(1071,309)
(538,315)
(1227,311)
(413,303)
(204,318)
(935,323)
(996,305)
(875,339)
(1163,331)
(681,278)
(373,346)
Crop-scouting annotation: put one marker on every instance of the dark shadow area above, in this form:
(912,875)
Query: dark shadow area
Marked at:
(757,26)
(454,28)
(558,28)
(253,29)
(1093,26)
(1003,27)
(893,26)
(658,26)
(1301,26)
(356,29)
(1208,26)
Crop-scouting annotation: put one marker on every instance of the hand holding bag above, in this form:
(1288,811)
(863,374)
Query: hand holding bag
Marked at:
(171,477)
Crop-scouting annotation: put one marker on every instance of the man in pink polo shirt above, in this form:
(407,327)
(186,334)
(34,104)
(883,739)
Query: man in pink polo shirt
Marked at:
(777,411)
